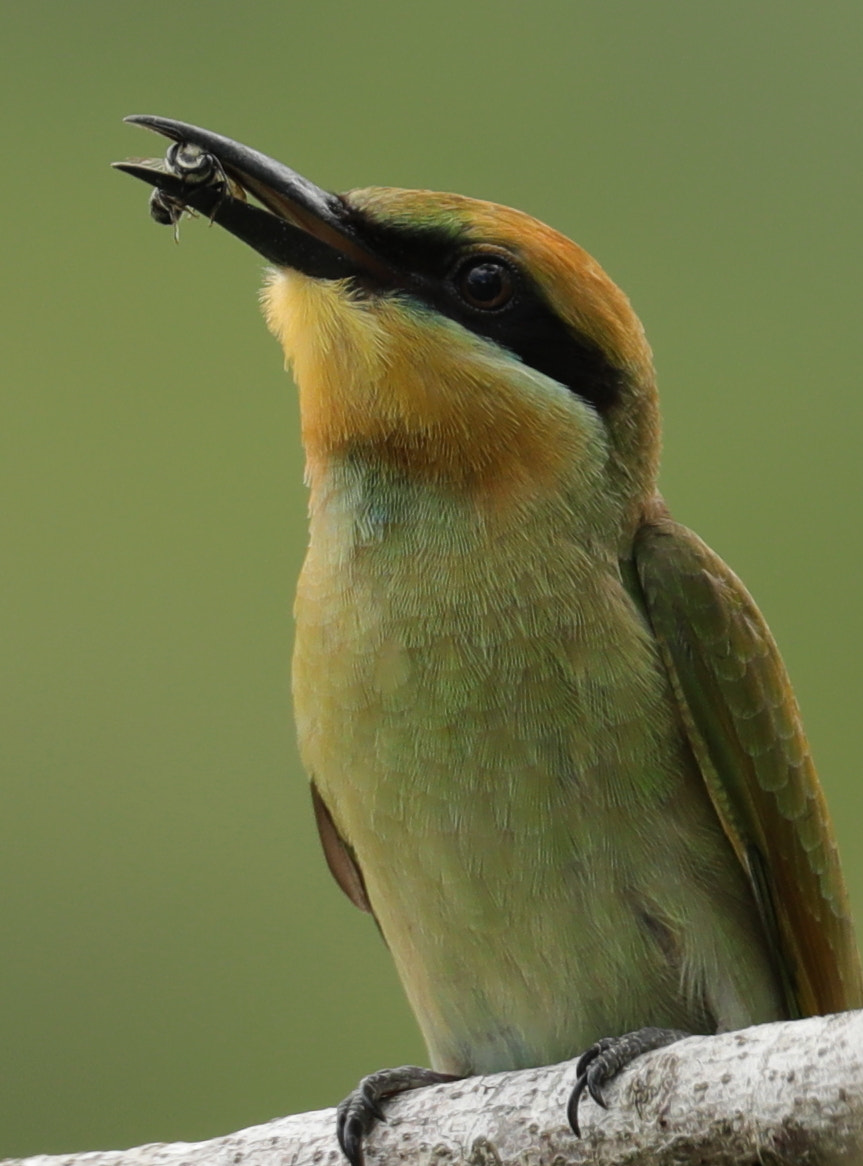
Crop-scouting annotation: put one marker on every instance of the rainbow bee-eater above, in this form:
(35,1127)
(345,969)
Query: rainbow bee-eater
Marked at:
(553,747)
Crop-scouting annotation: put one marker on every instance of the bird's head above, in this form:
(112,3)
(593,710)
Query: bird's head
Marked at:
(465,343)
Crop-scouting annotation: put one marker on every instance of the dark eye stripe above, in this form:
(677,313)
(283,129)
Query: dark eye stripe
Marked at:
(528,326)
(539,337)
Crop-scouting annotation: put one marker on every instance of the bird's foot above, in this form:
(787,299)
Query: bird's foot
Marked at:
(361,1109)
(604,1060)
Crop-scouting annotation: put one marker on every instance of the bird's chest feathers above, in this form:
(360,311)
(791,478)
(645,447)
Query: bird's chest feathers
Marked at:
(481,709)
(452,666)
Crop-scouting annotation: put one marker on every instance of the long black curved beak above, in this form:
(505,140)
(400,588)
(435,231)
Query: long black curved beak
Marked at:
(301,225)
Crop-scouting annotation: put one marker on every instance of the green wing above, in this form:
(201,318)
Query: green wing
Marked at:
(744,726)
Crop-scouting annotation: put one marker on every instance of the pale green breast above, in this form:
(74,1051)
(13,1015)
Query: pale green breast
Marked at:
(485,715)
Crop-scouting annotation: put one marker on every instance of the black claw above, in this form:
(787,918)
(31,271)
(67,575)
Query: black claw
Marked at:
(591,1054)
(603,1061)
(572,1106)
(595,1090)
(357,1115)
(352,1145)
(351,1126)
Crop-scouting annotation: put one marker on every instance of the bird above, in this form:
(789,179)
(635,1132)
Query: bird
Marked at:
(552,745)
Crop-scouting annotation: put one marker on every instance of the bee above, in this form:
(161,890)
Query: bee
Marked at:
(196,168)
(167,210)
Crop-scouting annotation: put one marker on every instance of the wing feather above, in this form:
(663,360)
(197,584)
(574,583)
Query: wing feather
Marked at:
(340,858)
(744,726)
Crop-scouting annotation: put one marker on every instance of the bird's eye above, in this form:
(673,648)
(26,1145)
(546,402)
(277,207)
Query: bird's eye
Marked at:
(485,282)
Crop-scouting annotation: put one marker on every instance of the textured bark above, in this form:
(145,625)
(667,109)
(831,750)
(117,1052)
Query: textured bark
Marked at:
(779,1093)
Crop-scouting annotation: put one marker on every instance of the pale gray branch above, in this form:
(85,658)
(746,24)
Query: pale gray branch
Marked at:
(779,1093)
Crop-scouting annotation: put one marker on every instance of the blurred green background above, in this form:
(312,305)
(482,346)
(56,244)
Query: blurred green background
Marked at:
(175,960)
